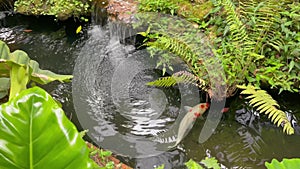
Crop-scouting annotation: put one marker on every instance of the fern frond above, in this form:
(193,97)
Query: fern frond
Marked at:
(237,28)
(179,48)
(264,17)
(253,25)
(179,77)
(266,104)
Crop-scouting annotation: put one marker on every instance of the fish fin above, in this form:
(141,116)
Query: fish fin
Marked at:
(187,108)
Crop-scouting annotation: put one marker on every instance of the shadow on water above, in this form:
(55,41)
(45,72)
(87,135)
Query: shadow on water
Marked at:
(242,140)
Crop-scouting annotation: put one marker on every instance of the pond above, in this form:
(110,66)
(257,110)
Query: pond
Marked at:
(109,97)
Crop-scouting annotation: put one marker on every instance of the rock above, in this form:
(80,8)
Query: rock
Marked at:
(122,10)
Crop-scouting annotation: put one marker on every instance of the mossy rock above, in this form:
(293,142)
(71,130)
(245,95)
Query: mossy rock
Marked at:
(62,9)
(196,10)
(192,10)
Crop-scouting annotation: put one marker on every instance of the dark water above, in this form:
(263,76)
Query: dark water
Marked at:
(241,140)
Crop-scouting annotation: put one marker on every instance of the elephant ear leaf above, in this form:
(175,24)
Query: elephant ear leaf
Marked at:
(20,58)
(45,76)
(4,87)
(36,134)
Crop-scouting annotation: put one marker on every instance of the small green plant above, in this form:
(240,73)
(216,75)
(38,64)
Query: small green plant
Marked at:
(103,156)
(207,163)
(110,165)
(165,6)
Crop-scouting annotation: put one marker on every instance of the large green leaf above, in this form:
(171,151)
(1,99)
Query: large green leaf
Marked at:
(21,69)
(45,76)
(35,133)
(4,56)
(284,164)
(19,73)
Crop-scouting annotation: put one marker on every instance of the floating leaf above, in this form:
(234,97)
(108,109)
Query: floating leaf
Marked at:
(78,29)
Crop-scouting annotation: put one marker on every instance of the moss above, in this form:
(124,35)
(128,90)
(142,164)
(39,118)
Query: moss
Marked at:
(195,11)
(62,9)
(192,11)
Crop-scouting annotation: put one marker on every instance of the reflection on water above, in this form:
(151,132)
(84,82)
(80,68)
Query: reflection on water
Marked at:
(241,140)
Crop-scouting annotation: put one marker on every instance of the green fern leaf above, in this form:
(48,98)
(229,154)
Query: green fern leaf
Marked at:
(163,82)
(179,77)
(266,104)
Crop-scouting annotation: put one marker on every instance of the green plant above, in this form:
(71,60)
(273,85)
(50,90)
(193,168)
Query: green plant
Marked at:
(167,44)
(207,162)
(19,70)
(179,77)
(103,156)
(165,6)
(179,39)
(266,104)
(257,43)
(36,134)
(101,153)
(284,164)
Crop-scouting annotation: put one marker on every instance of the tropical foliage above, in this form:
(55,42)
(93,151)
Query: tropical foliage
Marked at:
(17,70)
(257,43)
(36,134)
